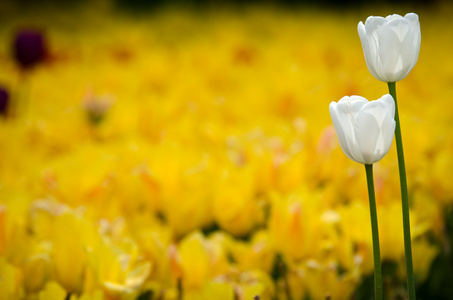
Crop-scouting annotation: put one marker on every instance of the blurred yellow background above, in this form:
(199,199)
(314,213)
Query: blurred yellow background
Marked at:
(195,146)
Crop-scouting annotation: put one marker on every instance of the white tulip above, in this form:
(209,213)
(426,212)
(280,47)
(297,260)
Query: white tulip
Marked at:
(391,45)
(364,128)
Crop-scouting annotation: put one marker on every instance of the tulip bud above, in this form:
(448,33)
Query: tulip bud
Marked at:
(364,128)
(29,48)
(36,271)
(96,106)
(390,45)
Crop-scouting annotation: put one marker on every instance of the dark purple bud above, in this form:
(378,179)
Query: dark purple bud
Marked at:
(4,101)
(29,48)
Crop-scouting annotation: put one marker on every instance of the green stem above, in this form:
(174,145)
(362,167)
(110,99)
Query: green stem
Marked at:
(404,198)
(375,233)
(284,273)
(180,288)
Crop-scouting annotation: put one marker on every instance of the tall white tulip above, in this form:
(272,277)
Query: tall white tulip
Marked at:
(364,128)
(391,45)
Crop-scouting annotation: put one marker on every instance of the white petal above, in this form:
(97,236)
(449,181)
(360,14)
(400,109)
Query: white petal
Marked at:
(367,130)
(412,18)
(414,43)
(388,99)
(388,123)
(370,48)
(343,128)
(373,24)
(390,43)
(392,17)
(348,109)
(351,105)
(388,131)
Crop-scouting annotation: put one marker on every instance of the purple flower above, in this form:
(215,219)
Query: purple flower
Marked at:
(4,101)
(29,48)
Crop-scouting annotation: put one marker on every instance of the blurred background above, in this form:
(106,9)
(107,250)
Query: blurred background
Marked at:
(184,150)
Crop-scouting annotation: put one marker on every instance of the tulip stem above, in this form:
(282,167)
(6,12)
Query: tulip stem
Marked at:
(375,233)
(180,288)
(283,271)
(404,198)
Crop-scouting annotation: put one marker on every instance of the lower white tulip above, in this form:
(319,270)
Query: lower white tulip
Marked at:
(364,128)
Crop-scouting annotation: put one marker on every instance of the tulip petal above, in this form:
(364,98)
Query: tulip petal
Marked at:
(392,17)
(388,123)
(370,47)
(344,114)
(387,132)
(413,44)
(340,125)
(407,52)
(367,131)
(374,24)
(389,53)
(413,20)
(369,34)
(390,103)
(351,105)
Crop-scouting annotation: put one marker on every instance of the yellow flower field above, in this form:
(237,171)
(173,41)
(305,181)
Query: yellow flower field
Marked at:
(193,151)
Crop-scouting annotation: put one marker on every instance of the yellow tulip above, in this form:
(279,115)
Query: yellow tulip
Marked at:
(2,230)
(255,254)
(200,260)
(69,265)
(36,272)
(10,281)
(115,210)
(52,291)
(218,290)
(295,219)
(236,207)
(195,261)
(323,280)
